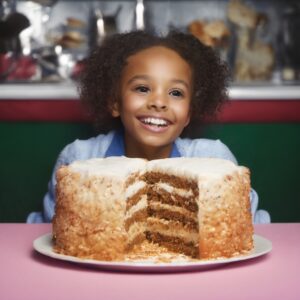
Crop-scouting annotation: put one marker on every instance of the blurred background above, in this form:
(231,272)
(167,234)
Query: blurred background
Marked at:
(43,46)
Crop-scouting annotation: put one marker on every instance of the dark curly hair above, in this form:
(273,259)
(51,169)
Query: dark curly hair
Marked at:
(99,82)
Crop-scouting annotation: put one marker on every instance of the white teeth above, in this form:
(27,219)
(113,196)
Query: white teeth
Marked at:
(154,121)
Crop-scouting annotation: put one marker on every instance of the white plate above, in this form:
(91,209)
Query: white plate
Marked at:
(44,245)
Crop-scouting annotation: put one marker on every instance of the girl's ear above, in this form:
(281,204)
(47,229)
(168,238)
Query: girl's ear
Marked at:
(188,119)
(115,112)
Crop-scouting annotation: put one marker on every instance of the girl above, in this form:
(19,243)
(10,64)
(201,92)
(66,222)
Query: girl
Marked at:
(144,91)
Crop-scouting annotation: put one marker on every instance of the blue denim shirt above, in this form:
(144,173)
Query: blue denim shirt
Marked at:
(112,144)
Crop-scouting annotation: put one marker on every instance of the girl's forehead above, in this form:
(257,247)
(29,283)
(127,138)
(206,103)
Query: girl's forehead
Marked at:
(159,65)
(156,57)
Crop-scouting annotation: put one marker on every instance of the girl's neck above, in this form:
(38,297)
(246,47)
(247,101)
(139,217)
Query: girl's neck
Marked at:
(146,152)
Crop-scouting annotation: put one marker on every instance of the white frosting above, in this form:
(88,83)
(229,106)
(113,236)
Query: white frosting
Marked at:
(181,166)
(158,205)
(194,167)
(173,208)
(139,206)
(165,227)
(172,190)
(111,166)
(169,228)
(134,188)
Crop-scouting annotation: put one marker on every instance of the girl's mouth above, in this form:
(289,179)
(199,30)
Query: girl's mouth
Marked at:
(155,124)
(155,121)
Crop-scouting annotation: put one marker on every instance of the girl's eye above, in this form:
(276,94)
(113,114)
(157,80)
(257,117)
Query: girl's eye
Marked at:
(142,89)
(176,93)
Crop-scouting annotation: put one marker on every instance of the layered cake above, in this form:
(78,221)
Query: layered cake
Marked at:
(120,208)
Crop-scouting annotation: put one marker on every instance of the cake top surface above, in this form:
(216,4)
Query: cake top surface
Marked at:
(122,166)
(119,166)
(194,166)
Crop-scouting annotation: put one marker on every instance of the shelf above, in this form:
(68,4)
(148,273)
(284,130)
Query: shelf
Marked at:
(67,91)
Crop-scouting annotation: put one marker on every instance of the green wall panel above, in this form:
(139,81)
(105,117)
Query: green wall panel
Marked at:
(272,152)
(28,152)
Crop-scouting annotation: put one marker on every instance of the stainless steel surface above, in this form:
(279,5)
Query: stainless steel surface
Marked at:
(67,91)
(265,92)
(38,91)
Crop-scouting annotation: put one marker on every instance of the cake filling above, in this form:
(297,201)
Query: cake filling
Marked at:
(164,211)
(174,244)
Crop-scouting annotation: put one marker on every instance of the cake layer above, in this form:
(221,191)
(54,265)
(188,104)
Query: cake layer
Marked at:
(136,233)
(135,188)
(153,176)
(158,206)
(173,228)
(136,198)
(139,216)
(173,215)
(174,244)
(168,187)
(164,214)
(159,195)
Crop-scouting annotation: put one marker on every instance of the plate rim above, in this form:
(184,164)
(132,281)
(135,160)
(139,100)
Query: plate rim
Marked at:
(43,245)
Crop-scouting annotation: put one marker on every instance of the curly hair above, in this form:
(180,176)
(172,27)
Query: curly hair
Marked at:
(100,80)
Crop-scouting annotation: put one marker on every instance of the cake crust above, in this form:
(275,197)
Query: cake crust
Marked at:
(77,229)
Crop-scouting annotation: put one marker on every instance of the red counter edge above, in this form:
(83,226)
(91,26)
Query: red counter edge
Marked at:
(236,111)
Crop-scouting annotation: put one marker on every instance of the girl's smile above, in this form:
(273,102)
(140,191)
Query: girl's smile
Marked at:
(154,124)
(155,98)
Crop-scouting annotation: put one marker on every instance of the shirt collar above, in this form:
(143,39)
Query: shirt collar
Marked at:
(175,151)
(117,146)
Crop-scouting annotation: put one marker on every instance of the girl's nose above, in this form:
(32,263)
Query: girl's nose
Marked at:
(158,103)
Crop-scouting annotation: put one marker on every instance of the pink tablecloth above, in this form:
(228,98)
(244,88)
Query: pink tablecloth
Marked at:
(26,274)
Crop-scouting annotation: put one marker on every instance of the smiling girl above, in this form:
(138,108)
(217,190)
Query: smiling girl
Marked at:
(142,92)
(154,102)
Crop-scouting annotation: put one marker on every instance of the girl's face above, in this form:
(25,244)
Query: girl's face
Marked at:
(155,98)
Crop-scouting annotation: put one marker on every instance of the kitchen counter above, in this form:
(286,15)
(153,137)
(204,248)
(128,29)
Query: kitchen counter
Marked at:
(26,274)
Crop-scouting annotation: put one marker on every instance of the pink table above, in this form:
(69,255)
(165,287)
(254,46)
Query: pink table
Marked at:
(26,274)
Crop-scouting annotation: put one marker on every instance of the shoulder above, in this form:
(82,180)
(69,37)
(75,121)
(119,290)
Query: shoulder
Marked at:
(204,148)
(85,149)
